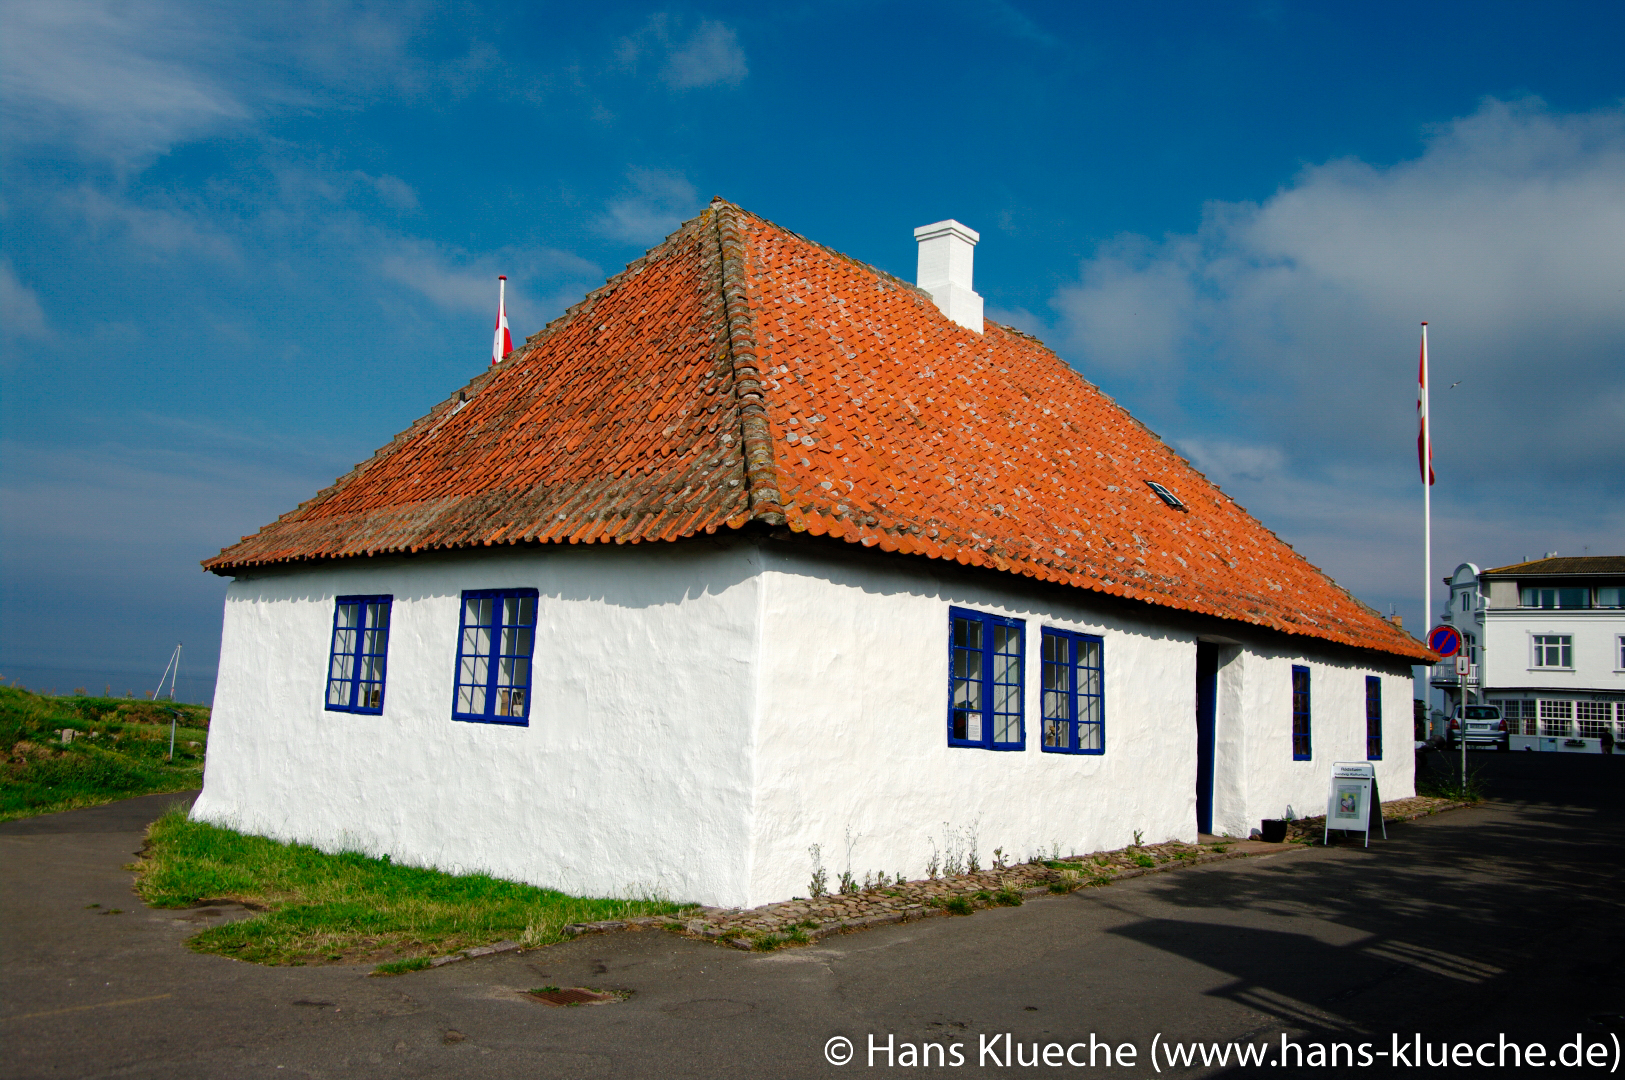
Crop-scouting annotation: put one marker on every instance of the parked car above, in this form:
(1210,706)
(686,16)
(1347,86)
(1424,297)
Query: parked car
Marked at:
(1485,728)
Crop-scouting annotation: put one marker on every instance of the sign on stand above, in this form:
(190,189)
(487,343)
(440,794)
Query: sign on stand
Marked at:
(1354,798)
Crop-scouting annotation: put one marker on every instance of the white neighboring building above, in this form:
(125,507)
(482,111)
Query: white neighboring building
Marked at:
(1546,641)
(757,549)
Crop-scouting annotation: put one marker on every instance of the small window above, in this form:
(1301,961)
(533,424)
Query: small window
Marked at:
(355,660)
(1373,718)
(1611,597)
(1619,658)
(1301,749)
(494,645)
(1554,650)
(1074,695)
(1166,496)
(984,680)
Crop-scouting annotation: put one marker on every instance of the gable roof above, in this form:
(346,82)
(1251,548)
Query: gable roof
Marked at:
(1563,566)
(738,373)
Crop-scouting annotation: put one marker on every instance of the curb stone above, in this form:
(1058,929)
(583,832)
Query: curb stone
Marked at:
(470,954)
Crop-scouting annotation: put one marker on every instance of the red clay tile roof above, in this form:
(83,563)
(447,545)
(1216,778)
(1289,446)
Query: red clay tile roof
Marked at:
(739,372)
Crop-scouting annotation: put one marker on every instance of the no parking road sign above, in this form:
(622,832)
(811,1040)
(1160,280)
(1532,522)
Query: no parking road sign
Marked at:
(1445,640)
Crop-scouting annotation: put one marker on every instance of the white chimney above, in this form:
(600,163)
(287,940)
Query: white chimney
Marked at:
(947,251)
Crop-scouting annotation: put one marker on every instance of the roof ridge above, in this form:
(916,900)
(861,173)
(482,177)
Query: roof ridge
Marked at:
(761,472)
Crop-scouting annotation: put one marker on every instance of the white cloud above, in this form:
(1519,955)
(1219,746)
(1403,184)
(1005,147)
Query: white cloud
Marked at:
(708,56)
(1507,233)
(657,204)
(124,82)
(1227,463)
(20,313)
(540,280)
(149,230)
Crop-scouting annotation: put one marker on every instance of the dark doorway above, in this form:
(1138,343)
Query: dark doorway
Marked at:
(1207,694)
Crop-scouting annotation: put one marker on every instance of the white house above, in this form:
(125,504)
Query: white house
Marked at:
(1545,641)
(756,548)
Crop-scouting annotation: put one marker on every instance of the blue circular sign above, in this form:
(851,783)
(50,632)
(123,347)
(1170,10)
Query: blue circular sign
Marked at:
(1445,640)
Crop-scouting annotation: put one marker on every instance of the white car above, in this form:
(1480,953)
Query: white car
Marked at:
(1485,728)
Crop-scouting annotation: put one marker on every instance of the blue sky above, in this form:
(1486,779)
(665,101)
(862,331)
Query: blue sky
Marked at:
(243,245)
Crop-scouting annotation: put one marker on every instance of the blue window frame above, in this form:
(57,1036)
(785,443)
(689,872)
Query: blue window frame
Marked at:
(1073,699)
(984,680)
(1373,718)
(495,639)
(1300,714)
(355,659)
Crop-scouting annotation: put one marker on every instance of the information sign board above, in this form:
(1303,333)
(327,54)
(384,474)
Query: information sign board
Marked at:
(1353,800)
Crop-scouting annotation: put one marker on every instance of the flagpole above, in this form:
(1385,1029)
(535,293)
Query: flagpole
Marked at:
(1427,511)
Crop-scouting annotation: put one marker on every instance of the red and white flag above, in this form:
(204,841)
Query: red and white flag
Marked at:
(1424,441)
(502,342)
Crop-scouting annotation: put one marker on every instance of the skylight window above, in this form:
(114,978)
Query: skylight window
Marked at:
(1167,496)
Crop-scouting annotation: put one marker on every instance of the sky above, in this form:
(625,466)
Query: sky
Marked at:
(241,246)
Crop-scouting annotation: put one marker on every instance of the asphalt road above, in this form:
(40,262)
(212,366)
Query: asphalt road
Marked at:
(1501,919)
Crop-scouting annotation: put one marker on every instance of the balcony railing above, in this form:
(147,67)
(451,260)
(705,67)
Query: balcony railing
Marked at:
(1445,675)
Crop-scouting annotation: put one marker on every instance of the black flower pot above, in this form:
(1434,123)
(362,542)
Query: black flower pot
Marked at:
(1272,830)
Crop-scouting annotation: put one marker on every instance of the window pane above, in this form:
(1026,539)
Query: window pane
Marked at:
(515,672)
(967,634)
(1006,728)
(516,641)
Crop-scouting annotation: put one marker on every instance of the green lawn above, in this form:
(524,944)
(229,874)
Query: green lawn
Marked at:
(118,750)
(348,907)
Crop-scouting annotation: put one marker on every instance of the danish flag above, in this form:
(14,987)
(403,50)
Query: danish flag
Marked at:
(1424,445)
(502,341)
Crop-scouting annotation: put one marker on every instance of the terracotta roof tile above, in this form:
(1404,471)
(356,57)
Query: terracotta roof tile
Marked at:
(739,372)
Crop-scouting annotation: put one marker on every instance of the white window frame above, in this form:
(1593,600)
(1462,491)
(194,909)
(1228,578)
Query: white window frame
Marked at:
(1536,653)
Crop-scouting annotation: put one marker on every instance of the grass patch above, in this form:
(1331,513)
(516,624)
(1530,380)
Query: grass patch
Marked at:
(1452,786)
(1007,897)
(348,906)
(1144,860)
(401,967)
(957,905)
(119,750)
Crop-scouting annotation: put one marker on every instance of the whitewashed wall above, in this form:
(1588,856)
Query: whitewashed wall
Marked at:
(704,712)
(853,727)
(1255,774)
(635,771)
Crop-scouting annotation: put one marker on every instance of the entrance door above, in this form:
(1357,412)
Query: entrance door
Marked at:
(1207,694)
